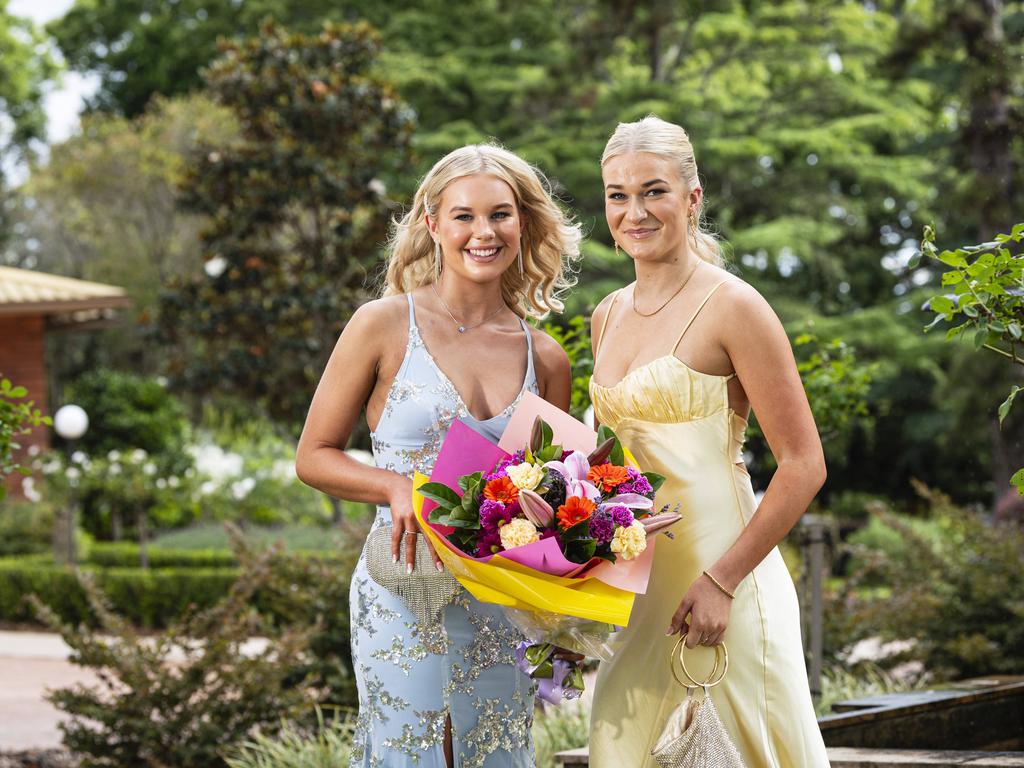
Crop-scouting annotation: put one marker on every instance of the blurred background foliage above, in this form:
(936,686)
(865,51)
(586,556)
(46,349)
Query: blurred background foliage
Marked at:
(240,190)
(237,168)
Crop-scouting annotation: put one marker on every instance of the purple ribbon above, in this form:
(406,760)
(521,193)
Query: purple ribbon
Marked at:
(557,679)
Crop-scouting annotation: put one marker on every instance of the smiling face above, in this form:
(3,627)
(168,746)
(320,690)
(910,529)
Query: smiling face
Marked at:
(478,225)
(647,205)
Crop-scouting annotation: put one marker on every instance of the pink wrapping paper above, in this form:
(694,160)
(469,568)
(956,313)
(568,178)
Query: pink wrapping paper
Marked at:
(466,451)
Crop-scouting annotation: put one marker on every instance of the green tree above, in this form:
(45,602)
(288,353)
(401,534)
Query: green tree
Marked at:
(296,211)
(24,68)
(104,208)
(147,47)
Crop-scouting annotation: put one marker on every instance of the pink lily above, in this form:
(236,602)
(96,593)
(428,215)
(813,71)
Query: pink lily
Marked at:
(537,511)
(658,523)
(631,500)
(574,471)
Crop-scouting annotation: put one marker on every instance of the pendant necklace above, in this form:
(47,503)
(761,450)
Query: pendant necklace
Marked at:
(665,304)
(462,326)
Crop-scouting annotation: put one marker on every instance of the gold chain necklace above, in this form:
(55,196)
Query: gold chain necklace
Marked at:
(677,292)
(462,326)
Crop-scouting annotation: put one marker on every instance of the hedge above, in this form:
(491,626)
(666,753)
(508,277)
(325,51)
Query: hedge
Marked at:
(148,598)
(125,554)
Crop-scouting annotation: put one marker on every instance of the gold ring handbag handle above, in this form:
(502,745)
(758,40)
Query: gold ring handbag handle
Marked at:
(721,660)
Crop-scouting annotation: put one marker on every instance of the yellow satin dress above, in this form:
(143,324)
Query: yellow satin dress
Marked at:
(677,422)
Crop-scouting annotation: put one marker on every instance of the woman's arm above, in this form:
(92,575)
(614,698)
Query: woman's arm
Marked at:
(347,383)
(761,355)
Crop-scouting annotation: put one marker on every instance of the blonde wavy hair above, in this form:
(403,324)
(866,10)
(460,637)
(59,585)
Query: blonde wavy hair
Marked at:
(664,139)
(550,240)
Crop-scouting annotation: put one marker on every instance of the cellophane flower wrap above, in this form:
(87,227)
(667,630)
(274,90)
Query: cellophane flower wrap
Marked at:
(555,523)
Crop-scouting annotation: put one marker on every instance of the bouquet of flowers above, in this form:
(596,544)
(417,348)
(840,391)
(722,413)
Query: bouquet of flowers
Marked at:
(595,506)
(557,534)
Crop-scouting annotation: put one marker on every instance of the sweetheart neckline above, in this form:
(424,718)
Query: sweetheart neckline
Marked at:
(650,363)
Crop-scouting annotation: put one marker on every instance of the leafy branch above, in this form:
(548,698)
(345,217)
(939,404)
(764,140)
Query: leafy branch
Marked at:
(985,299)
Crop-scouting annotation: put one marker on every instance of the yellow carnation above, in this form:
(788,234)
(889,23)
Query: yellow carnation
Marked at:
(525,476)
(517,533)
(629,542)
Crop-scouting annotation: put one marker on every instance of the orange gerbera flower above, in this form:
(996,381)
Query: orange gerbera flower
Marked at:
(607,476)
(575,510)
(501,489)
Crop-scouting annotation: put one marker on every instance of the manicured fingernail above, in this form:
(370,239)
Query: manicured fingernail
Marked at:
(439,566)
(394,558)
(408,568)
(668,631)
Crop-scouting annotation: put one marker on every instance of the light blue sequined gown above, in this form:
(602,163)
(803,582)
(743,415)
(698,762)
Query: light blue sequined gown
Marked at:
(410,675)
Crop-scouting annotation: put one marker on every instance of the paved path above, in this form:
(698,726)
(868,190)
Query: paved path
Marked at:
(31,662)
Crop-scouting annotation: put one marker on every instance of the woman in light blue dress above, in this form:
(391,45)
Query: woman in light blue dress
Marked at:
(482,248)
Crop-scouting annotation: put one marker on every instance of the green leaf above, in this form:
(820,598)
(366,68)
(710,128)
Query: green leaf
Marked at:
(441,494)
(970,310)
(1004,409)
(953,258)
(468,481)
(1018,481)
(952,278)
(1014,329)
(941,304)
(980,338)
(915,260)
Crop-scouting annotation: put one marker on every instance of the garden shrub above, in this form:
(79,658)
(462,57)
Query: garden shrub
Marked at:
(184,697)
(148,598)
(124,554)
(25,527)
(954,585)
(127,411)
(313,591)
(294,747)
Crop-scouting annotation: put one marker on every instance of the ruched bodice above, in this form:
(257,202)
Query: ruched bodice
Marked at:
(677,421)
(667,390)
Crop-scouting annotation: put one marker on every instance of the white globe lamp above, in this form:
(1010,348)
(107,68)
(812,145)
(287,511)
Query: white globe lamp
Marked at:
(71,422)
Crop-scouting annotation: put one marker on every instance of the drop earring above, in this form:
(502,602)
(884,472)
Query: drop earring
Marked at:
(520,258)
(437,261)
(618,253)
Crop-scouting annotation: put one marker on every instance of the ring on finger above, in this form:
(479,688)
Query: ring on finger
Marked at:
(409,533)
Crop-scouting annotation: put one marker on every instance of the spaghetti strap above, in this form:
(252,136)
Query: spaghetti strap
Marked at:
(604,324)
(694,315)
(529,349)
(412,313)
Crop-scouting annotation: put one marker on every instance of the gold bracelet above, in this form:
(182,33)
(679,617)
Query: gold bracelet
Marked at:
(718,584)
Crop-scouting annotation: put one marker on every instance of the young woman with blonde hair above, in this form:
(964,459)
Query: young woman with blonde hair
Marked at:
(681,356)
(483,247)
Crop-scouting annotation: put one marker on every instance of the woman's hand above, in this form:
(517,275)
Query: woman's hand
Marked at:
(404,524)
(708,608)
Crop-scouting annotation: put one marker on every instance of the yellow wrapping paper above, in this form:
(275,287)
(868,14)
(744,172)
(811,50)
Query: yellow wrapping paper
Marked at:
(505,582)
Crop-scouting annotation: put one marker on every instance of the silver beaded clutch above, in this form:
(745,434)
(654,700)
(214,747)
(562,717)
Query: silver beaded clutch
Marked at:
(694,737)
(425,591)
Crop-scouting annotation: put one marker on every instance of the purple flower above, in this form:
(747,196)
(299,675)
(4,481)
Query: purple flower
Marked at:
(602,527)
(621,516)
(492,515)
(488,543)
(547,533)
(637,483)
(500,468)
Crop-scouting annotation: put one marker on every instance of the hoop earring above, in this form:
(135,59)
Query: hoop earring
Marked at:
(437,261)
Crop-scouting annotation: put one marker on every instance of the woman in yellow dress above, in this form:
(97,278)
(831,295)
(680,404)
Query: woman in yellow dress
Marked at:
(681,356)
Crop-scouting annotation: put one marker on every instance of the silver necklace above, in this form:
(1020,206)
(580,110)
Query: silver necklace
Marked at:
(462,326)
